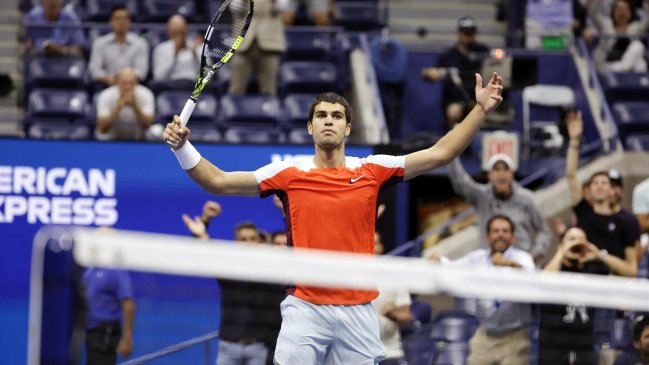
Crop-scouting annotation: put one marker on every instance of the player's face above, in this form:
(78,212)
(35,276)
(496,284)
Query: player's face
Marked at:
(500,235)
(328,125)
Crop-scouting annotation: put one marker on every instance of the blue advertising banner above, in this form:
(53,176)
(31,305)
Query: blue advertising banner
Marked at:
(134,186)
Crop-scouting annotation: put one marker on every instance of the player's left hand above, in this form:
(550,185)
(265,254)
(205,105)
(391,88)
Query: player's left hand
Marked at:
(489,97)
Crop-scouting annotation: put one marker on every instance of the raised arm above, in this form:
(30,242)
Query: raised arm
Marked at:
(208,176)
(447,148)
(575,130)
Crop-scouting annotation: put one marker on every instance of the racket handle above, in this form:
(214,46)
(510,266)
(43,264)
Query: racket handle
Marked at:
(187,111)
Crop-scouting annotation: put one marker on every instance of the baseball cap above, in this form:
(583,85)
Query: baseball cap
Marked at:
(467,25)
(498,157)
(615,177)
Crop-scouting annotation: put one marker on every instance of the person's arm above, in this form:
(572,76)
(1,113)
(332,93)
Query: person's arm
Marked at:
(498,259)
(107,114)
(643,220)
(575,131)
(555,263)
(398,314)
(462,183)
(203,172)
(143,107)
(125,345)
(95,68)
(141,65)
(447,148)
(627,267)
(162,62)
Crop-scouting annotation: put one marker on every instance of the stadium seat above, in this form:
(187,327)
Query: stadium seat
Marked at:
(421,311)
(57,103)
(358,15)
(632,117)
(637,142)
(55,128)
(452,354)
(308,44)
(454,326)
(250,110)
(297,108)
(299,135)
(99,10)
(254,134)
(419,348)
(205,133)
(308,77)
(170,103)
(161,10)
(547,131)
(621,334)
(625,85)
(468,305)
(56,72)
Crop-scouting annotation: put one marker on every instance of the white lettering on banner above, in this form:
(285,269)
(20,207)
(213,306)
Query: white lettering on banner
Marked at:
(80,198)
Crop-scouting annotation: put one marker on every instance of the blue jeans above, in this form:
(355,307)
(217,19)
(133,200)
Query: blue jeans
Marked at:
(231,353)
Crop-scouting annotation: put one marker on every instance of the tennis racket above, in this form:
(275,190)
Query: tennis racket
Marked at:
(222,38)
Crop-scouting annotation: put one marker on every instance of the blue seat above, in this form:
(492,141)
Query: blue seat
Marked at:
(170,103)
(57,103)
(308,44)
(250,110)
(56,128)
(254,134)
(454,327)
(358,15)
(625,85)
(632,116)
(309,77)
(297,108)
(56,72)
(452,354)
(419,349)
(99,10)
(205,133)
(161,10)
(637,142)
(468,305)
(299,136)
(421,311)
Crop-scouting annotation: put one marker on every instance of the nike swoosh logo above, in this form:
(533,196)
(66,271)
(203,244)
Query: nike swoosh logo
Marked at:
(355,179)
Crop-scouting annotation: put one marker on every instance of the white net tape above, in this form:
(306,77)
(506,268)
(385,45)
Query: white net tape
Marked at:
(265,263)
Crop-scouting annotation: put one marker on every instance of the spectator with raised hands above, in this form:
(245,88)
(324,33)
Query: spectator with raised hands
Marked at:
(609,231)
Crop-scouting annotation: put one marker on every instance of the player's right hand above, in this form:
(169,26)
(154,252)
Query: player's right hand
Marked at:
(175,135)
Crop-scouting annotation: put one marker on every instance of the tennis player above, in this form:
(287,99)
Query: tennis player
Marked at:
(330,203)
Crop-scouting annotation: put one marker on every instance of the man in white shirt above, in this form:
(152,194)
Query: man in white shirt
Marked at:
(502,337)
(125,111)
(641,209)
(176,61)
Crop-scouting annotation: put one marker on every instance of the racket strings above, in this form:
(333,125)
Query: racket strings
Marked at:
(225,30)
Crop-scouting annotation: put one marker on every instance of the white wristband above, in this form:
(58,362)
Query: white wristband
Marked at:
(188,156)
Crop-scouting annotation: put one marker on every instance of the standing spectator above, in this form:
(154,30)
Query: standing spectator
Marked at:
(125,111)
(393,308)
(503,195)
(608,230)
(110,315)
(260,51)
(502,337)
(640,336)
(53,31)
(566,331)
(321,12)
(176,61)
(617,51)
(457,66)
(117,50)
(250,314)
(641,208)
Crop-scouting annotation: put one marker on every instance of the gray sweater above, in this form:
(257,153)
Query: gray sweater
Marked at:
(521,208)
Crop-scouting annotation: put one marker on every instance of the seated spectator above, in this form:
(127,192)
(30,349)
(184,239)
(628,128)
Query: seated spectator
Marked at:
(279,238)
(117,50)
(502,337)
(566,331)
(125,111)
(176,61)
(260,51)
(457,66)
(503,195)
(321,12)
(393,308)
(613,233)
(617,51)
(62,36)
(640,336)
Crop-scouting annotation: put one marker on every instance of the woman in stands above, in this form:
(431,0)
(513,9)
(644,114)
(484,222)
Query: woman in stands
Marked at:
(619,49)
